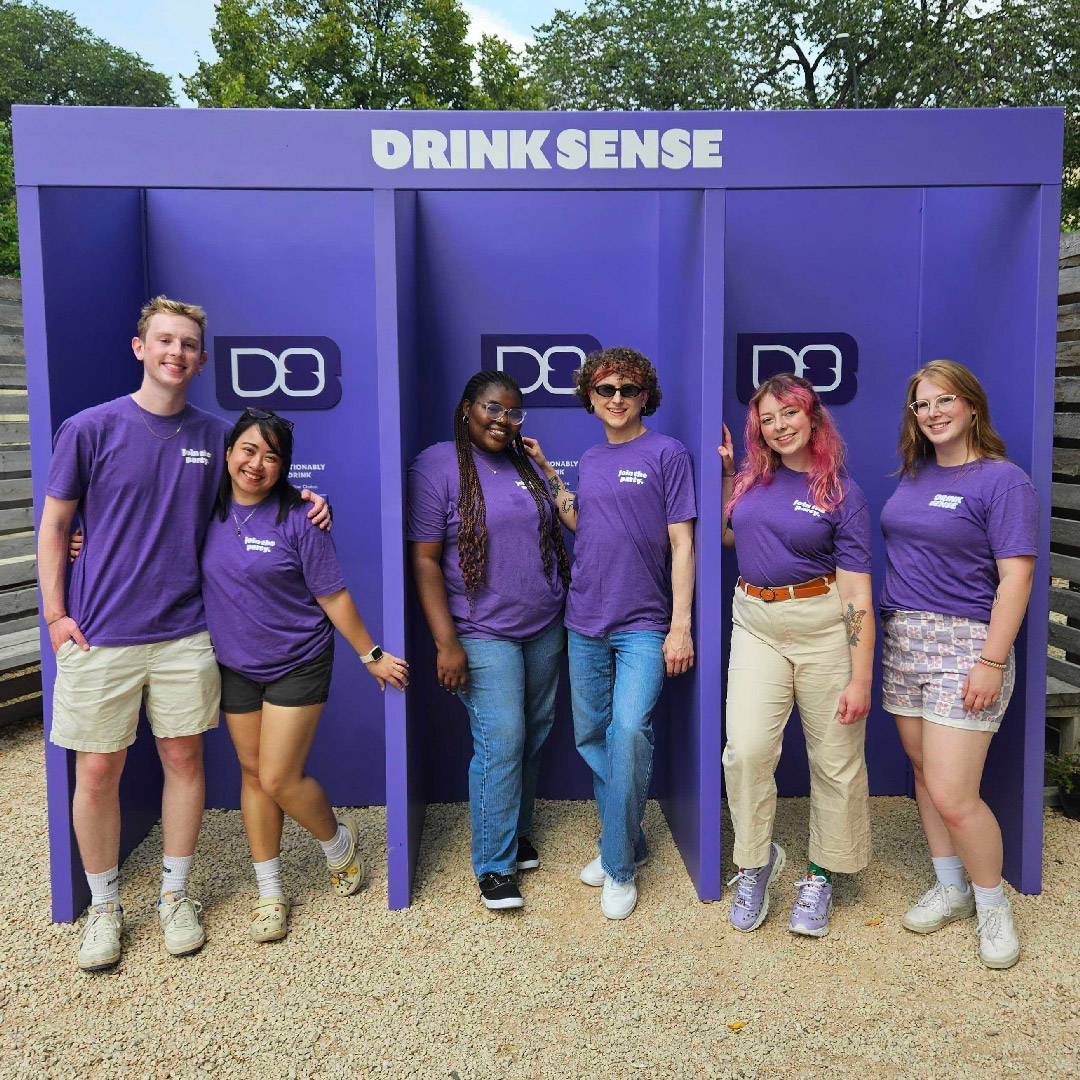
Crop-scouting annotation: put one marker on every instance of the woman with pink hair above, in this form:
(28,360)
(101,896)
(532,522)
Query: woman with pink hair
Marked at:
(802,633)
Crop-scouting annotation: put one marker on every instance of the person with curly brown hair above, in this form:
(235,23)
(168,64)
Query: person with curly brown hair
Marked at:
(628,608)
(491,571)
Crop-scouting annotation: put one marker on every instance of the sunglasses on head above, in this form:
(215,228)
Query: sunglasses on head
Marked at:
(628,390)
(262,414)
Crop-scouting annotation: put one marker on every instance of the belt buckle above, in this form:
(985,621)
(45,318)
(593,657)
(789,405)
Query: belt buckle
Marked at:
(767,595)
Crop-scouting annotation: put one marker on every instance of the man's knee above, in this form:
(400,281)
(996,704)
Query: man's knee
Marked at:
(98,775)
(182,757)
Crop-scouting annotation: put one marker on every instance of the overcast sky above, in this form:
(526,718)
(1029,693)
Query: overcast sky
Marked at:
(168,33)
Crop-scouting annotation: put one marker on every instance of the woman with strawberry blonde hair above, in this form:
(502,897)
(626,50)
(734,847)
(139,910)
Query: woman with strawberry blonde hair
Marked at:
(961,535)
(802,633)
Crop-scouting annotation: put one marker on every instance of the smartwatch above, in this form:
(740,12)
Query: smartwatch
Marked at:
(371,657)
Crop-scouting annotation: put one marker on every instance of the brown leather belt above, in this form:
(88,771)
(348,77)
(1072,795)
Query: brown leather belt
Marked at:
(817,587)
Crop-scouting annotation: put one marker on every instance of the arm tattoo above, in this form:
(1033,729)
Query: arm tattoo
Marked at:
(853,622)
(568,504)
(997,597)
(556,486)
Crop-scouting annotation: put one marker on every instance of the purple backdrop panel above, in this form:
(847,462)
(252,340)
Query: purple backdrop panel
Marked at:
(294,267)
(980,304)
(813,264)
(395,255)
(89,268)
(349,149)
(687,719)
(544,263)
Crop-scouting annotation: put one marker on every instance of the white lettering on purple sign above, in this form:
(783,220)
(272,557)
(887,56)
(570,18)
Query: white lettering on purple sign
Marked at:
(522,148)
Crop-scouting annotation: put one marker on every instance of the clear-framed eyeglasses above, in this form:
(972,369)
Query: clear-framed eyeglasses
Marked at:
(942,403)
(494,411)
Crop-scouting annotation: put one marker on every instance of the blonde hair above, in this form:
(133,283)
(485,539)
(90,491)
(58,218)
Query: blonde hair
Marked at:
(915,447)
(162,305)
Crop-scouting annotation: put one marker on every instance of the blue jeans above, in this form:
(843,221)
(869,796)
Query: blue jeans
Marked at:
(615,683)
(510,696)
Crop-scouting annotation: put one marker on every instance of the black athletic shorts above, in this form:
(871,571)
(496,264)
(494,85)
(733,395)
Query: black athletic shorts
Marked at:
(308,684)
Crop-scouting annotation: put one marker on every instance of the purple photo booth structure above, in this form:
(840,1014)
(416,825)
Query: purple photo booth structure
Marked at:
(357,267)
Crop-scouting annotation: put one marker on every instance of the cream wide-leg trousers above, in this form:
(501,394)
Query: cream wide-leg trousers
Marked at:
(784,653)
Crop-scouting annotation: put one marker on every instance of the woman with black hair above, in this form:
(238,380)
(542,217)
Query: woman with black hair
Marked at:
(491,572)
(273,593)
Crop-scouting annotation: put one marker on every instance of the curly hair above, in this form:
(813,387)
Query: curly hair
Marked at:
(472,512)
(618,360)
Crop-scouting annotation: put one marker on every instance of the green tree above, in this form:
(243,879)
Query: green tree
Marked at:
(818,54)
(347,54)
(501,82)
(47,58)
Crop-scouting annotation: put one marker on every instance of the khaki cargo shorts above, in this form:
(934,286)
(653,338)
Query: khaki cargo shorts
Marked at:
(97,694)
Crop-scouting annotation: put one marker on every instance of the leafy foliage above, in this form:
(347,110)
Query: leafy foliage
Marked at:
(344,54)
(818,54)
(47,58)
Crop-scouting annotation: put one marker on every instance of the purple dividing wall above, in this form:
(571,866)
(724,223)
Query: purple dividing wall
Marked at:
(915,234)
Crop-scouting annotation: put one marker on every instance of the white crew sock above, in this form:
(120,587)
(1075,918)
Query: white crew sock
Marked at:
(268,876)
(104,887)
(950,871)
(175,871)
(994,897)
(335,850)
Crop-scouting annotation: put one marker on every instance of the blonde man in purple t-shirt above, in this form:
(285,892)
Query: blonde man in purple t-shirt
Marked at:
(960,544)
(128,628)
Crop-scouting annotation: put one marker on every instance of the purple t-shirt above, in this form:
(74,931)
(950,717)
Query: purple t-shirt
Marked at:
(628,494)
(945,527)
(517,600)
(783,538)
(259,588)
(144,502)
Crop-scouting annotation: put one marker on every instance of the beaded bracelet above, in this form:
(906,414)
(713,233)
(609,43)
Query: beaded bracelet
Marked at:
(996,665)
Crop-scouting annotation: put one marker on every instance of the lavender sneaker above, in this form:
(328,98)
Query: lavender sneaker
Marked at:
(750,904)
(813,906)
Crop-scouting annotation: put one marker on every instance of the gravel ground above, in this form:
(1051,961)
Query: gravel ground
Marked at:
(449,990)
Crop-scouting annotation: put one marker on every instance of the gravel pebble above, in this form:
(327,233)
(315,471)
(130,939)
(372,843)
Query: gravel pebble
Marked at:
(449,991)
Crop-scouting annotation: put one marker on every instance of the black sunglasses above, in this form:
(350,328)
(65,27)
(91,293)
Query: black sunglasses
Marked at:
(628,390)
(262,414)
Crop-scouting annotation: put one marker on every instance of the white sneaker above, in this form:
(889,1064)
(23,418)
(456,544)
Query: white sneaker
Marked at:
(593,873)
(180,923)
(618,898)
(938,906)
(99,948)
(999,947)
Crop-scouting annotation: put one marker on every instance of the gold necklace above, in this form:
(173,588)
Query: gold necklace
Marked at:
(163,438)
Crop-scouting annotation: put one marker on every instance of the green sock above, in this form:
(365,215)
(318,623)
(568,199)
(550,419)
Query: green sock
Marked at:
(815,870)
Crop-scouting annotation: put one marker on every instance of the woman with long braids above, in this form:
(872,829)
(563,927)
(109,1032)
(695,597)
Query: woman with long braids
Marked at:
(491,572)
(802,633)
(961,535)
(628,611)
(274,594)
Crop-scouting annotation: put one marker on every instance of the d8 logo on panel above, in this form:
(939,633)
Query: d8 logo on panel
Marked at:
(281,373)
(542,364)
(829,361)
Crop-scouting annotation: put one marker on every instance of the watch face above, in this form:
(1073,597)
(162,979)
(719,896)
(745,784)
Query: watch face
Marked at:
(375,654)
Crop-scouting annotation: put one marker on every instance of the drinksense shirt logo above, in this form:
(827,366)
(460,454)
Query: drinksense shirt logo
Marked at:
(946,502)
(535,148)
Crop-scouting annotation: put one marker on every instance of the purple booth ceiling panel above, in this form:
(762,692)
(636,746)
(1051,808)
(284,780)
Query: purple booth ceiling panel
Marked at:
(288,270)
(343,149)
(89,269)
(979,305)
(813,265)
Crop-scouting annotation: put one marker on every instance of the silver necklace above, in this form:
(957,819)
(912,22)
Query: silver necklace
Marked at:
(163,438)
(241,524)
(486,462)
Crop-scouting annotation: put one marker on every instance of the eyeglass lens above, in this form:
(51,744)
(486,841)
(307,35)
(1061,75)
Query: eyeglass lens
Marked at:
(942,401)
(628,390)
(495,411)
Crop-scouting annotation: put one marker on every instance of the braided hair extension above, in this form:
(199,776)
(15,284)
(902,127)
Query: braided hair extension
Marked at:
(472,530)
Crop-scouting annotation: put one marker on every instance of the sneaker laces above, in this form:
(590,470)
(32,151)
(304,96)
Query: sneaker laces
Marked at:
(746,881)
(183,911)
(810,889)
(991,922)
(935,897)
(99,923)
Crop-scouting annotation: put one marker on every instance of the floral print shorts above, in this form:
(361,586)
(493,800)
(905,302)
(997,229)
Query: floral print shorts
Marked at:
(925,661)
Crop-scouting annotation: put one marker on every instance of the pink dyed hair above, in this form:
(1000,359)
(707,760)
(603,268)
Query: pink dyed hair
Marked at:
(826,446)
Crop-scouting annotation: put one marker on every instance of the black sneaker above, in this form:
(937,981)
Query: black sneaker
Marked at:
(528,858)
(499,891)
